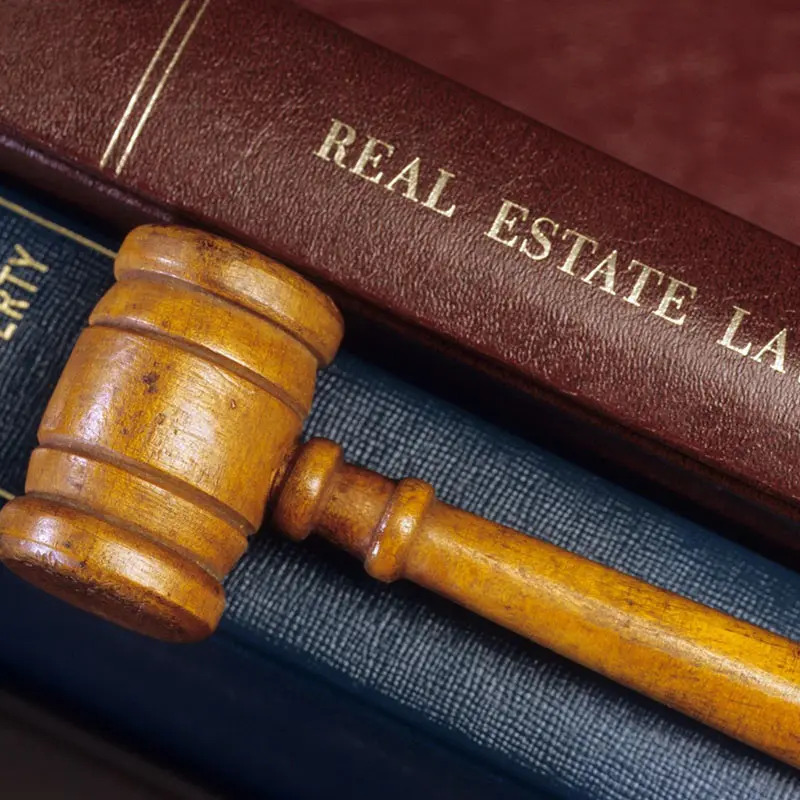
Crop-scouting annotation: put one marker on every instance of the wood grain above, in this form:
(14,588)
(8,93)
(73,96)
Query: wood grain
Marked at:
(165,433)
(176,424)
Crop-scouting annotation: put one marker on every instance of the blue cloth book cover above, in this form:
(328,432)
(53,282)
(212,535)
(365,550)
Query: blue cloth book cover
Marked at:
(321,680)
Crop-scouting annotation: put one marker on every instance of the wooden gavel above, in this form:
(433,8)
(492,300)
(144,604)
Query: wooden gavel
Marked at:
(176,424)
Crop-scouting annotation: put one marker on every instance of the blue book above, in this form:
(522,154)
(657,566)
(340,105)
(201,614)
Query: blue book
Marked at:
(321,680)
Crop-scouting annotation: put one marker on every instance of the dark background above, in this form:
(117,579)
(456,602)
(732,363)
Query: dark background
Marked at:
(704,95)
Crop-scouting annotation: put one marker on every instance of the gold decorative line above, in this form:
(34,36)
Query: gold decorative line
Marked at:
(45,223)
(164,78)
(142,82)
(4,495)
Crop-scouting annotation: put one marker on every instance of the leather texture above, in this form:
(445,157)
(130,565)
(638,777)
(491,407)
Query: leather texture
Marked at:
(701,95)
(230,144)
(323,680)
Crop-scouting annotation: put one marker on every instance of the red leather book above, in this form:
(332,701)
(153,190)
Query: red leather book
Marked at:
(697,94)
(659,323)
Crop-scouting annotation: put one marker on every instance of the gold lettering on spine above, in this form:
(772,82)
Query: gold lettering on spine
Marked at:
(12,306)
(369,157)
(437,192)
(7,276)
(409,175)
(733,328)
(546,239)
(22,259)
(541,238)
(4,495)
(25,259)
(577,248)
(676,294)
(505,221)
(339,138)
(641,281)
(608,269)
(777,347)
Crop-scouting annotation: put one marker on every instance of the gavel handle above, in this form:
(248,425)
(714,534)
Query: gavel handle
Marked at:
(733,676)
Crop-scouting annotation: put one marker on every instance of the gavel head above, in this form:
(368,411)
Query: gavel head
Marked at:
(174,416)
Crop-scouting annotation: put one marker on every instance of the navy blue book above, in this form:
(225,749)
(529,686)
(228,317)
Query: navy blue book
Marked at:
(321,680)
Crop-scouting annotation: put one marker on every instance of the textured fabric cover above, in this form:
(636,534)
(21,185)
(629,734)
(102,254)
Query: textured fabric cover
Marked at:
(315,661)
(233,711)
(552,722)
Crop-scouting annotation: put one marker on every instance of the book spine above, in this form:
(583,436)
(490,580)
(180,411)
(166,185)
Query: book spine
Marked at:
(304,695)
(53,270)
(57,264)
(661,321)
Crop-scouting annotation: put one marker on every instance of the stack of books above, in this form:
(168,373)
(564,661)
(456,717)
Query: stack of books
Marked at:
(599,310)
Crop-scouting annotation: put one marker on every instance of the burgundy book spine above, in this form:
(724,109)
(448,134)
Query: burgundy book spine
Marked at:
(664,322)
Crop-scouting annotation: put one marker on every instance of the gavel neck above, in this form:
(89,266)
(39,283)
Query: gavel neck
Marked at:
(685,655)
(372,517)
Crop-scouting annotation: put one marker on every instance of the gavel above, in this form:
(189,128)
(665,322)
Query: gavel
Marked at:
(175,428)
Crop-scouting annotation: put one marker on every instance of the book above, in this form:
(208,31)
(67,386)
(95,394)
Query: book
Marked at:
(320,678)
(170,703)
(639,322)
(705,114)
